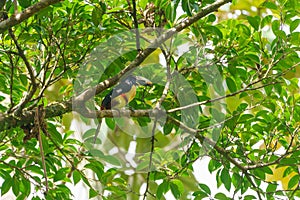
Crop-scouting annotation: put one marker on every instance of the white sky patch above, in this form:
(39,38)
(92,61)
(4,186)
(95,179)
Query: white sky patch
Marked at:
(131,154)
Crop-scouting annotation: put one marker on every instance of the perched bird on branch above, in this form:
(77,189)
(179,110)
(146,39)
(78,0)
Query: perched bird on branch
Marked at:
(121,95)
(124,92)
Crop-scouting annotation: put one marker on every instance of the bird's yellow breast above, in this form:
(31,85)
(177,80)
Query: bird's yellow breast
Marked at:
(123,99)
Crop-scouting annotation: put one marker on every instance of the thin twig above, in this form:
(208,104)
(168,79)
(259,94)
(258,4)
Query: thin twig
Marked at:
(38,120)
(22,171)
(136,26)
(29,95)
(254,186)
(222,97)
(11,82)
(158,107)
(150,157)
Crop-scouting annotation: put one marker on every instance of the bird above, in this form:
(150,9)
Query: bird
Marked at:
(121,95)
(124,92)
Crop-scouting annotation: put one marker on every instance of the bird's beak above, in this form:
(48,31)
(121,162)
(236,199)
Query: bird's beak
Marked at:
(143,81)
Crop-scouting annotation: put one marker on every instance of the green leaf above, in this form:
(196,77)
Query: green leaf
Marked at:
(16,186)
(25,187)
(35,169)
(24,79)
(168,128)
(231,123)
(225,178)
(205,188)
(254,22)
(24,3)
(97,15)
(217,115)
(245,30)
(293,182)
(236,180)
(199,195)
(249,197)
(211,18)
(60,175)
(259,173)
(213,165)
(215,30)
(245,186)
(96,167)
(231,85)
(92,193)
(242,107)
(270,5)
(6,185)
(253,57)
(89,133)
(245,118)
(271,188)
(275,26)
(97,153)
(177,188)
(76,177)
(258,128)
(266,21)
(22,197)
(171,12)
(112,160)
(221,196)
(288,171)
(294,25)
(267,170)
(186,6)
(288,161)
(142,165)
(162,189)
(54,133)
(110,122)
(281,34)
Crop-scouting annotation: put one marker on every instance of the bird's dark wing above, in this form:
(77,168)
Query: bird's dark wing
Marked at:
(106,103)
(119,95)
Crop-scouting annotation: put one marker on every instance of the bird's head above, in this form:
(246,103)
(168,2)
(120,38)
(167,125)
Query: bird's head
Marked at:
(143,81)
(137,80)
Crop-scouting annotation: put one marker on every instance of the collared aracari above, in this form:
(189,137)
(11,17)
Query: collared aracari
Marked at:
(124,92)
(121,95)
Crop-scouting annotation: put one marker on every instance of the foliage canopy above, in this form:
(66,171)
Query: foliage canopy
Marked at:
(226,87)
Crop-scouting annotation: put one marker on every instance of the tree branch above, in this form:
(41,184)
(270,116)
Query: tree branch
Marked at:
(28,12)
(136,26)
(30,70)
(247,88)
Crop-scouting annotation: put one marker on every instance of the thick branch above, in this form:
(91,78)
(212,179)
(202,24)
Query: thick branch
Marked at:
(28,12)
(53,110)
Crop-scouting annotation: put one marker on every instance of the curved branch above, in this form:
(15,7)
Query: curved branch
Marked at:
(30,70)
(28,12)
